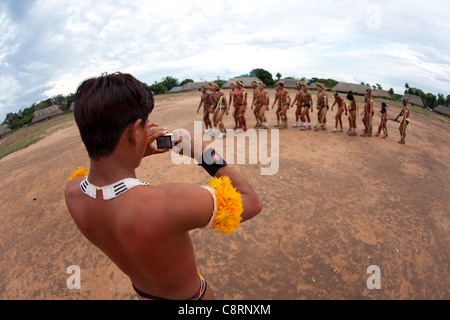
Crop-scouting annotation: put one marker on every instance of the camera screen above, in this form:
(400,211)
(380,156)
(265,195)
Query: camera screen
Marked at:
(164,142)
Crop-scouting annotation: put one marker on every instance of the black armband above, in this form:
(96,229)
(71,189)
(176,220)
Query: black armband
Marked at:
(211,161)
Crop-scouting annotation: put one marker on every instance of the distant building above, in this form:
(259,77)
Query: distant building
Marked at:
(413,100)
(381,94)
(4,131)
(247,82)
(190,86)
(289,83)
(46,114)
(443,110)
(344,87)
(312,86)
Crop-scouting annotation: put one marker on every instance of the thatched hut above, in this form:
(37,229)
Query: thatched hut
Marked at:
(381,94)
(413,100)
(443,110)
(188,87)
(72,107)
(247,82)
(312,86)
(289,83)
(4,131)
(46,114)
(345,87)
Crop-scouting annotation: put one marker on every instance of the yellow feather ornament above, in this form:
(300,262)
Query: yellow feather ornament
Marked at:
(81,172)
(229,205)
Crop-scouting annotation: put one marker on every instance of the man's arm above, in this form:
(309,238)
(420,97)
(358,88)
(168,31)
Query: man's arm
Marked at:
(401,113)
(201,102)
(332,107)
(295,100)
(275,101)
(251,202)
(191,207)
(195,204)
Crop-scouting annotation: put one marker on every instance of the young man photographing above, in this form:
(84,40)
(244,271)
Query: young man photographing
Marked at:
(143,229)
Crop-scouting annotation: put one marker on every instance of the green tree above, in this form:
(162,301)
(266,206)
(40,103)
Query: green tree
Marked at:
(329,83)
(69,99)
(59,100)
(278,75)
(429,101)
(15,124)
(44,104)
(185,81)
(158,88)
(264,75)
(10,117)
(220,82)
(440,100)
(170,82)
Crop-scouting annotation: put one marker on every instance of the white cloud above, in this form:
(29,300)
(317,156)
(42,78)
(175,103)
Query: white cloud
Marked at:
(49,47)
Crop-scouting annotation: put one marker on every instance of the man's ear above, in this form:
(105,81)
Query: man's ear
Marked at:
(134,130)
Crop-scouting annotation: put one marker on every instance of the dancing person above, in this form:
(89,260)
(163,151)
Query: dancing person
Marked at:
(322,107)
(369,112)
(241,102)
(383,122)
(277,101)
(285,102)
(405,122)
(299,100)
(307,106)
(144,229)
(220,107)
(341,108)
(263,102)
(352,113)
(232,100)
(255,107)
(205,100)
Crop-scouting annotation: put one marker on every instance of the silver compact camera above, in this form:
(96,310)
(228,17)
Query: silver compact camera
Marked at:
(165,142)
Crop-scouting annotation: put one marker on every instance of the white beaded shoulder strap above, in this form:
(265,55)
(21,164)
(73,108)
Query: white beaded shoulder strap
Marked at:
(112,191)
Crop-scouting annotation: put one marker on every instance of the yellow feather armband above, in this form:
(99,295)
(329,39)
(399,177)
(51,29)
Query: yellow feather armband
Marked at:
(227,217)
(81,172)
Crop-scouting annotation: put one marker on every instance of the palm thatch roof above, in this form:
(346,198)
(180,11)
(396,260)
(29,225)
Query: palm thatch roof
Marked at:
(289,83)
(46,114)
(440,109)
(413,100)
(345,87)
(4,131)
(72,107)
(381,94)
(312,86)
(247,82)
(190,86)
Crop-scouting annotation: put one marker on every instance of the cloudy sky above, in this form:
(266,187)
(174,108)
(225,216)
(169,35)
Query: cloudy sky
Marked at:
(47,47)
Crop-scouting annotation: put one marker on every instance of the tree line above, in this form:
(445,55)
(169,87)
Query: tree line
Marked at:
(430,100)
(24,117)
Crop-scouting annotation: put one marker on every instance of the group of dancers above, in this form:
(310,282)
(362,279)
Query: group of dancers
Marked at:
(216,104)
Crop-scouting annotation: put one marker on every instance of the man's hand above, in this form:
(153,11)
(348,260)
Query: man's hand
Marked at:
(152,136)
(187,145)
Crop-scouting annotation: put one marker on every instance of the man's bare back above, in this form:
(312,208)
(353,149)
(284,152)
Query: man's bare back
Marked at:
(143,229)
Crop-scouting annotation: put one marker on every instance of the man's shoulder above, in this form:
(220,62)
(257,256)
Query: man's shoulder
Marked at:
(73,187)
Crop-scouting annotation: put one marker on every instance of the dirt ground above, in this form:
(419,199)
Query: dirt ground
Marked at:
(338,205)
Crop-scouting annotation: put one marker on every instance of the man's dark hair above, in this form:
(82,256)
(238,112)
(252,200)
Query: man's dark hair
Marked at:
(350,96)
(105,106)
